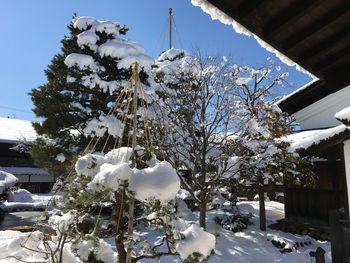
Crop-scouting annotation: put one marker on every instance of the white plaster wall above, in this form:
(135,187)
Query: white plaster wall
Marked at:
(347,167)
(321,113)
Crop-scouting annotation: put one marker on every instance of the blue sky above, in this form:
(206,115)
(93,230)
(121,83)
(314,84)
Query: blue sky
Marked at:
(31,32)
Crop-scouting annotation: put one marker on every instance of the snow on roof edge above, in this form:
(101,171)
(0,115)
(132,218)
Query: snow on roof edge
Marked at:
(296,91)
(217,14)
(305,139)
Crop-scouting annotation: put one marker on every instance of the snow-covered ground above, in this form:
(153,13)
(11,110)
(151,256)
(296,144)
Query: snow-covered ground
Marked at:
(34,203)
(254,245)
(250,246)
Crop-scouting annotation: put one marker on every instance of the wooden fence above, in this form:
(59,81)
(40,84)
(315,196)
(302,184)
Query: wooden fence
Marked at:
(311,203)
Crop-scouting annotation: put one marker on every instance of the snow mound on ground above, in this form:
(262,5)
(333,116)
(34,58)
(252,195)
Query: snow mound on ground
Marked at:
(196,241)
(183,211)
(159,182)
(102,250)
(21,196)
(29,247)
(111,176)
(7,180)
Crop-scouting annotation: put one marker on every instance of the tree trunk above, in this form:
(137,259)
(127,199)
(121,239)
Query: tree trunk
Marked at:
(262,214)
(202,213)
(119,242)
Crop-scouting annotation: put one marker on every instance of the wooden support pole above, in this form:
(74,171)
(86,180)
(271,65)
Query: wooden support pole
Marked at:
(134,81)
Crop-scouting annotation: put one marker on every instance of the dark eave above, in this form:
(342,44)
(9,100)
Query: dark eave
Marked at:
(324,148)
(313,33)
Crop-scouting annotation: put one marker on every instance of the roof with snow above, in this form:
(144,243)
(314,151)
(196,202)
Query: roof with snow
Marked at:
(313,34)
(313,142)
(13,131)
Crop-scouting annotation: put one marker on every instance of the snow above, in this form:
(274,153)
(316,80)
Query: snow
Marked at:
(30,247)
(105,123)
(120,48)
(16,131)
(305,139)
(250,246)
(39,202)
(158,182)
(20,196)
(103,251)
(107,27)
(195,240)
(7,180)
(80,60)
(182,210)
(60,157)
(87,38)
(111,176)
(217,14)
(25,170)
(183,194)
(171,54)
(89,164)
(63,222)
(127,51)
(344,114)
(83,22)
(119,155)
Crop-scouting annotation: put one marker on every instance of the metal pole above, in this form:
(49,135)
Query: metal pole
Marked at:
(135,80)
(170,26)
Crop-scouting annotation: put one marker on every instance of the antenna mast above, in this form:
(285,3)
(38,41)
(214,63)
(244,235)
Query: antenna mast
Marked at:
(170,26)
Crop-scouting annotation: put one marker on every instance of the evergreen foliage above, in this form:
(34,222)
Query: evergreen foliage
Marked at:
(73,96)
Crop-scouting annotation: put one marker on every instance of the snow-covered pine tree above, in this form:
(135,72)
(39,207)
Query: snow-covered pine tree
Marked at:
(83,82)
(116,174)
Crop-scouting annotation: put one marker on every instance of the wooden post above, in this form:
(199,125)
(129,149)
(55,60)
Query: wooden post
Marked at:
(318,255)
(135,80)
(170,27)
(262,213)
(336,236)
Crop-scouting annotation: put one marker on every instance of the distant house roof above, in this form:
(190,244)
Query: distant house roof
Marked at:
(313,33)
(25,170)
(13,130)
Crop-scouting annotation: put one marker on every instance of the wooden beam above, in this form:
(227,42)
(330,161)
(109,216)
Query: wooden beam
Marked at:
(324,45)
(331,61)
(298,10)
(248,7)
(228,8)
(240,11)
(319,25)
